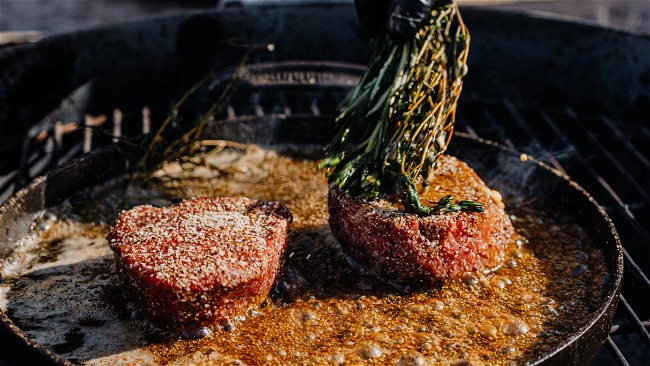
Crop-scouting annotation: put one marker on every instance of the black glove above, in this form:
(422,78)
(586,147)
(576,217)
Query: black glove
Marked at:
(401,18)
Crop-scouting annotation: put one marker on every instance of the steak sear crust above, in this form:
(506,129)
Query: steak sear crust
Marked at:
(201,261)
(422,250)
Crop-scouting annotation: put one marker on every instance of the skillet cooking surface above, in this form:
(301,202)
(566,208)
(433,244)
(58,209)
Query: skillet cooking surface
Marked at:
(521,181)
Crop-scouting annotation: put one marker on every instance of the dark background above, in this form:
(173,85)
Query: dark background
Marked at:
(28,20)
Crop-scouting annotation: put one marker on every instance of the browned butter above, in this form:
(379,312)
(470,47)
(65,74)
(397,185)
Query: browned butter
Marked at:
(324,309)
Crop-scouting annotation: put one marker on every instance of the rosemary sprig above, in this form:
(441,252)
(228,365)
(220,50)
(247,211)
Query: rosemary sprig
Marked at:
(446,205)
(402,111)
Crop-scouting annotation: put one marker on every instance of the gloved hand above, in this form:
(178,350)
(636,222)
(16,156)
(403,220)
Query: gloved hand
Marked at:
(401,18)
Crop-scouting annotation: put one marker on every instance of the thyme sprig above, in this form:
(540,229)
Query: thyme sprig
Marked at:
(158,148)
(402,111)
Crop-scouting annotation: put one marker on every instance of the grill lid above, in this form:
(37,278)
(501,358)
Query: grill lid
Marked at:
(517,93)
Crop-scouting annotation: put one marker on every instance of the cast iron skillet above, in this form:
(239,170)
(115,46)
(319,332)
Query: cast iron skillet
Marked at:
(517,177)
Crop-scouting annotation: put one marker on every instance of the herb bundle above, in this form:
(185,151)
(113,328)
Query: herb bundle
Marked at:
(401,115)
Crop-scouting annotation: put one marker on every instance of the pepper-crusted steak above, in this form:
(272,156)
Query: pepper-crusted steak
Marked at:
(202,260)
(420,250)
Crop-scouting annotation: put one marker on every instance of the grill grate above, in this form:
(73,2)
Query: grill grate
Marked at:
(608,158)
(611,164)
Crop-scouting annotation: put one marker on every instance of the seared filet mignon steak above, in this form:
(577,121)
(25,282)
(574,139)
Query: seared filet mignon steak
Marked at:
(200,261)
(421,250)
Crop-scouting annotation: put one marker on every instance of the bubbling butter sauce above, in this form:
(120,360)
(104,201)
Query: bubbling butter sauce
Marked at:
(60,285)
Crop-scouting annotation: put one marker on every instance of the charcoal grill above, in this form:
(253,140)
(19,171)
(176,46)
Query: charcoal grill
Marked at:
(574,95)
